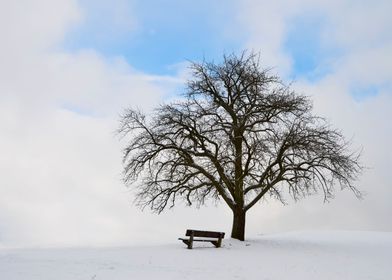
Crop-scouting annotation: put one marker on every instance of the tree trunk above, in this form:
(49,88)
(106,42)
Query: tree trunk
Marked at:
(238,230)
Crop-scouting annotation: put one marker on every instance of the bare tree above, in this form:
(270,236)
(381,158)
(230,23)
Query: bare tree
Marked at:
(239,134)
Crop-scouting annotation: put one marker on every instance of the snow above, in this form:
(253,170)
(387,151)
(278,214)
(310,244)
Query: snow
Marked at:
(296,255)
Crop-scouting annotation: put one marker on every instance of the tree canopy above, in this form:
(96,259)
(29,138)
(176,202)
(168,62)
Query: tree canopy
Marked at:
(238,134)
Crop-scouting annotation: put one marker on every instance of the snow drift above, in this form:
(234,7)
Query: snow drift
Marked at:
(298,255)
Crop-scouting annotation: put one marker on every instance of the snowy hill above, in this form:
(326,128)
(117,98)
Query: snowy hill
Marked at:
(298,255)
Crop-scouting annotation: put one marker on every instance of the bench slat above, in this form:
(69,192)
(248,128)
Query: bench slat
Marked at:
(199,240)
(203,233)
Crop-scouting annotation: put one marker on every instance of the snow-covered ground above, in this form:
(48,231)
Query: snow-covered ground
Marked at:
(298,255)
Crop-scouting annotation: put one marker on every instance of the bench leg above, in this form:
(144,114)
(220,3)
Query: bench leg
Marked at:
(218,243)
(188,243)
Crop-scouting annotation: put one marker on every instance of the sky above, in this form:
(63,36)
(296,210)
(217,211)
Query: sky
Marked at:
(69,68)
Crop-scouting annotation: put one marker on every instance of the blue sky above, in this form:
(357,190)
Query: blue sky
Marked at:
(303,44)
(175,31)
(155,36)
(169,33)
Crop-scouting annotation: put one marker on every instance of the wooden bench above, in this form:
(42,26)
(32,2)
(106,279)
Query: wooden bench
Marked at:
(202,233)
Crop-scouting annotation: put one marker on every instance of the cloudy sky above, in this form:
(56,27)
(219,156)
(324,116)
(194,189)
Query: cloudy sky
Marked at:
(68,68)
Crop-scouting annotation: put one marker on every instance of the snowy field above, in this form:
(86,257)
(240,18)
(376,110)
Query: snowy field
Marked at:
(299,255)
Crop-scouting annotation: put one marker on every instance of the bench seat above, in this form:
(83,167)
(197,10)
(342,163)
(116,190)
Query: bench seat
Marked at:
(199,240)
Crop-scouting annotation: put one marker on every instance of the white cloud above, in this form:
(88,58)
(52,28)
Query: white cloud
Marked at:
(108,21)
(28,26)
(61,161)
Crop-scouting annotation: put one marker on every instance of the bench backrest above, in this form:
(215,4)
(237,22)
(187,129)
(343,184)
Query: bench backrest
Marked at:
(203,233)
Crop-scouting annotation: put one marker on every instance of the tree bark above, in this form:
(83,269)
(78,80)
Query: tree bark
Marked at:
(238,230)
